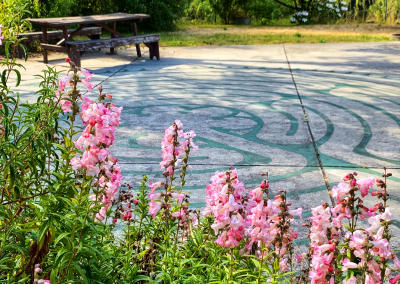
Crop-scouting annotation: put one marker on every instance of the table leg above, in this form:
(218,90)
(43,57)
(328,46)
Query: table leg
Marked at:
(66,38)
(139,54)
(114,27)
(44,29)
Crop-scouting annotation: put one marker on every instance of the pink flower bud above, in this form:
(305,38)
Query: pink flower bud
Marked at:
(374,193)
(115,220)
(353,182)
(135,202)
(67,59)
(99,87)
(109,96)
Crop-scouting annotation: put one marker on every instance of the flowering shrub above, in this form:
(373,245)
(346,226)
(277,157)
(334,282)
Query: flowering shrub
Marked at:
(67,217)
(334,8)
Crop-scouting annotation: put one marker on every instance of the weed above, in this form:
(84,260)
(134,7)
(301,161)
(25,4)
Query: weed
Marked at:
(225,28)
(297,34)
(321,41)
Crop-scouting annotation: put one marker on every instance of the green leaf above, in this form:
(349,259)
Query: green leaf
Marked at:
(141,277)
(53,276)
(25,51)
(348,228)
(60,237)
(7,47)
(3,78)
(78,268)
(12,178)
(18,77)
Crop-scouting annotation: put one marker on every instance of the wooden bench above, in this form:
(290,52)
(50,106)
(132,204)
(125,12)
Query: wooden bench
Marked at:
(77,48)
(91,32)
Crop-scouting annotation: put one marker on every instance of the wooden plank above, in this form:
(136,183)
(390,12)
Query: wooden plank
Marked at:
(53,47)
(112,42)
(110,30)
(77,31)
(59,22)
(59,34)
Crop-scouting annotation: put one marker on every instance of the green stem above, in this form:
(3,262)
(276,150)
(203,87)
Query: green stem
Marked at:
(261,263)
(231,267)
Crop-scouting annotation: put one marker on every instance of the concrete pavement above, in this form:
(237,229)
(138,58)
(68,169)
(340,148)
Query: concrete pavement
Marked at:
(242,103)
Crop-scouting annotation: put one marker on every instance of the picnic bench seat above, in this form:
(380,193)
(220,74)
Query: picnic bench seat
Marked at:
(77,48)
(90,32)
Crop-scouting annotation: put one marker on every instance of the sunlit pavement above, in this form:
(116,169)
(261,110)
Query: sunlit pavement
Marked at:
(242,103)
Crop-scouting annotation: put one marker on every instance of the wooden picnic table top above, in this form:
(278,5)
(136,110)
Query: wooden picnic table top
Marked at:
(84,20)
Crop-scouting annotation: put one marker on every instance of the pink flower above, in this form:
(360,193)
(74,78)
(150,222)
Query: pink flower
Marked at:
(283,265)
(301,257)
(297,212)
(352,280)
(231,205)
(75,163)
(154,185)
(394,280)
(1,37)
(365,185)
(348,264)
(87,74)
(154,207)
(63,82)
(154,196)
(396,263)
(88,85)
(178,196)
(340,190)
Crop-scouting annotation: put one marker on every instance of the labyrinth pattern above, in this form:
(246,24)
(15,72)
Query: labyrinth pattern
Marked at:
(247,113)
(251,117)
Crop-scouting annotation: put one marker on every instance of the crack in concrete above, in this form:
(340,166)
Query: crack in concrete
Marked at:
(310,131)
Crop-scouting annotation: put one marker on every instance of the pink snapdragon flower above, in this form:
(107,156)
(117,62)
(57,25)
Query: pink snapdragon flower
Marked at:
(365,185)
(100,120)
(86,73)
(225,204)
(395,279)
(172,149)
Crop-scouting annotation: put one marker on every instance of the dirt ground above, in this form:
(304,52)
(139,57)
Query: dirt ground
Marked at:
(350,29)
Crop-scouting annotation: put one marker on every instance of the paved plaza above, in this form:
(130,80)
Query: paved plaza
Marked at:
(334,109)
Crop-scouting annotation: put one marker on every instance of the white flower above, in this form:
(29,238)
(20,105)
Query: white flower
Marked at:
(293,20)
(304,20)
(343,3)
(332,1)
(337,10)
(305,13)
(344,8)
(339,15)
(319,9)
(329,6)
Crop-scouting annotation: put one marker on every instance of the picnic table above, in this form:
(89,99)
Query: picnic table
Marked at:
(76,48)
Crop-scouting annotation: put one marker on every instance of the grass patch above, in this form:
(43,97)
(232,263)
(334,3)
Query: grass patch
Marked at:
(182,39)
(243,35)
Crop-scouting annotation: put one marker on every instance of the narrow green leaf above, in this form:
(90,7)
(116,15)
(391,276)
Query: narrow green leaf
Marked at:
(12,177)
(3,78)
(18,77)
